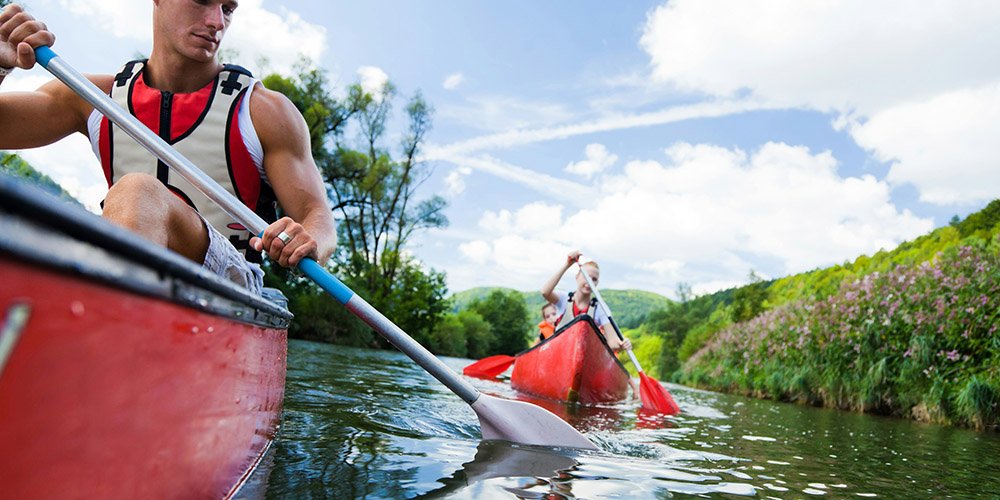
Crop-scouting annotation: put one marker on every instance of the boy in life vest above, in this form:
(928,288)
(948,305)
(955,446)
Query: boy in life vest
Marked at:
(571,304)
(253,140)
(550,316)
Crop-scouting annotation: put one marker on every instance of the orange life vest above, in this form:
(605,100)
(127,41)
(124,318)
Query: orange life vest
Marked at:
(545,330)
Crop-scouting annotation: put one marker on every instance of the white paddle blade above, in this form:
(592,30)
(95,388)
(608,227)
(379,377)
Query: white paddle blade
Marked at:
(525,423)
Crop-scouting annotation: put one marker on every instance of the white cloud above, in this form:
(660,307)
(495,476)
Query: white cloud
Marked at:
(23,82)
(598,159)
(256,33)
(373,79)
(281,38)
(494,113)
(455,180)
(452,81)
(537,220)
(841,55)
(664,268)
(121,18)
(946,147)
(519,137)
(526,262)
(917,81)
(552,187)
(71,163)
(706,216)
(477,251)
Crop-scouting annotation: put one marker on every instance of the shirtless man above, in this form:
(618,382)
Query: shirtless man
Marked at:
(251,140)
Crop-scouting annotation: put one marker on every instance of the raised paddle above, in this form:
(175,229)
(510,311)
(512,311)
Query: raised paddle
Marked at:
(499,418)
(654,396)
(489,367)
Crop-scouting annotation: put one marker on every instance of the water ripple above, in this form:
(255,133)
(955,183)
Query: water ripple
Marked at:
(370,424)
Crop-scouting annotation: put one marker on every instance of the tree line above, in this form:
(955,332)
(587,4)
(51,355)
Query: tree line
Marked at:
(372,181)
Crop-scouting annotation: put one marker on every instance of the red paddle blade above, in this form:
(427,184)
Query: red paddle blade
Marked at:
(655,397)
(489,367)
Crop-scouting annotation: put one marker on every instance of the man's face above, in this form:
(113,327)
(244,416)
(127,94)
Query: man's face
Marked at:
(193,28)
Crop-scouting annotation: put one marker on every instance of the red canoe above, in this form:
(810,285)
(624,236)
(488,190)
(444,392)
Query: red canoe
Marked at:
(126,371)
(574,365)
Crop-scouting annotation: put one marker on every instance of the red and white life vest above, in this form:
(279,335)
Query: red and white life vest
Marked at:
(204,127)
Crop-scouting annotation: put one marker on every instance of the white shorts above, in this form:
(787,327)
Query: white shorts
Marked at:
(223,259)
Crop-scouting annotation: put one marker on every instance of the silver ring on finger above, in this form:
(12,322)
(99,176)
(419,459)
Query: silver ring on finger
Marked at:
(284,237)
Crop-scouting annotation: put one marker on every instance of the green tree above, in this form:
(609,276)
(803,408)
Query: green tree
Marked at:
(374,194)
(674,322)
(748,300)
(462,334)
(372,189)
(507,316)
(415,299)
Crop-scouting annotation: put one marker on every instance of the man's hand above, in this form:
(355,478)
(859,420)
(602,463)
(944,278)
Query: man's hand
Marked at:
(20,34)
(286,242)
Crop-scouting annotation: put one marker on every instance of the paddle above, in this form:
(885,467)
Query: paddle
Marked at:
(654,396)
(489,367)
(499,418)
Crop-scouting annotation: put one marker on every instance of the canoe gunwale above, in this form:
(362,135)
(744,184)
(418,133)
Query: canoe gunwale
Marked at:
(43,230)
(573,367)
(595,329)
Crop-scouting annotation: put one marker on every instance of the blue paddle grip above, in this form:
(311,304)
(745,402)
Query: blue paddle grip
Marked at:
(44,54)
(325,280)
(321,277)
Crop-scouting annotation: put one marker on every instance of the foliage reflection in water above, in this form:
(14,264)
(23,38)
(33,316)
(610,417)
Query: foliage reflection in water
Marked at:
(371,424)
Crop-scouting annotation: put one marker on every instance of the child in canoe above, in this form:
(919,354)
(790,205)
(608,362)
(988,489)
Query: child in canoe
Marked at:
(571,304)
(550,316)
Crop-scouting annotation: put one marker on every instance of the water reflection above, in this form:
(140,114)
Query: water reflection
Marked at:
(525,471)
(369,424)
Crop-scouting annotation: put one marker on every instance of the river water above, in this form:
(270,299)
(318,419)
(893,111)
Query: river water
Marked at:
(371,424)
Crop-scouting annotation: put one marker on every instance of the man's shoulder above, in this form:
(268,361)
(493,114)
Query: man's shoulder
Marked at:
(277,121)
(267,104)
(102,81)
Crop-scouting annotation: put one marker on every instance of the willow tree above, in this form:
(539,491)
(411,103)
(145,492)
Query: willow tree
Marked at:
(373,185)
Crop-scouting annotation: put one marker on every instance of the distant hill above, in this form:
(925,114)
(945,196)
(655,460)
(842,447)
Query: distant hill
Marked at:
(629,307)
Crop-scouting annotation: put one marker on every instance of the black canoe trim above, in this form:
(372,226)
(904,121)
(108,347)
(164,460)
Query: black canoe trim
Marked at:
(593,329)
(44,230)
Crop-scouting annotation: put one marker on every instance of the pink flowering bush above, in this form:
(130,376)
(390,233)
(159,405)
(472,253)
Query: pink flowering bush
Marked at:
(918,340)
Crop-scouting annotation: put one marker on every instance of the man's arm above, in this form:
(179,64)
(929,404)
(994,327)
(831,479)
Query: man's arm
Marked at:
(296,181)
(39,118)
(33,119)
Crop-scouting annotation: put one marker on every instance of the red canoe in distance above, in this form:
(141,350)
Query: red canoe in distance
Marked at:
(126,371)
(574,365)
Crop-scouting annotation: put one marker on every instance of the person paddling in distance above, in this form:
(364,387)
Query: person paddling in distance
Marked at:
(252,140)
(580,301)
(571,304)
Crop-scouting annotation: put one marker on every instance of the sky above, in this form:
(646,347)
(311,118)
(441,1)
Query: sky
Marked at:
(680,141)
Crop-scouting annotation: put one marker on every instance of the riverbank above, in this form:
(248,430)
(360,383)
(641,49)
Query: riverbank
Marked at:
(919,341)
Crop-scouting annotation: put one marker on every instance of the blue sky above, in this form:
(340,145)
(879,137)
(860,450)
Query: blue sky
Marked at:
(681,141)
